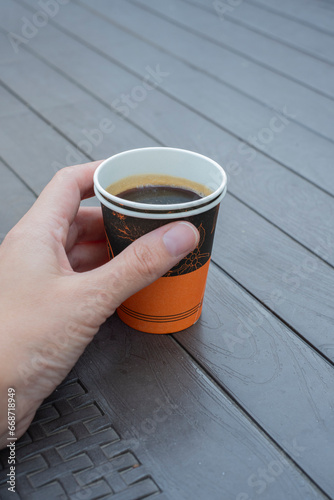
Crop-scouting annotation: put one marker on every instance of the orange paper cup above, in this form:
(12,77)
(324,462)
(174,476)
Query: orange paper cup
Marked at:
(173,302)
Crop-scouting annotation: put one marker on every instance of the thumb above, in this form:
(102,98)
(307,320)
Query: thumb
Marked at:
(144,261)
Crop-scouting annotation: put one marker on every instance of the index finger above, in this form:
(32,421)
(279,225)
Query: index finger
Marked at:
(61,197)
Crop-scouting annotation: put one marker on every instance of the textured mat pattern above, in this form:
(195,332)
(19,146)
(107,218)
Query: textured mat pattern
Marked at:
(71,451)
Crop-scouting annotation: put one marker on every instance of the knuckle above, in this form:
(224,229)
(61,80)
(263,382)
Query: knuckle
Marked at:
(145,262)
(14,236)
(63,173)
(116,280)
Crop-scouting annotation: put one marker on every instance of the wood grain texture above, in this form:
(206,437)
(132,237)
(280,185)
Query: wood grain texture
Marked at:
(278,272)
(269,371)
(181,426)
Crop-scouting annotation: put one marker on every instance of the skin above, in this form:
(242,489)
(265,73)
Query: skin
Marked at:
(57,287)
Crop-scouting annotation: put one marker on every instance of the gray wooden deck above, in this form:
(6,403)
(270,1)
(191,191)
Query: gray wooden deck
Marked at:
(241,405)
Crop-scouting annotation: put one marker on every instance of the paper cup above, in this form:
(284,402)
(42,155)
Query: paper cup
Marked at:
(173,302)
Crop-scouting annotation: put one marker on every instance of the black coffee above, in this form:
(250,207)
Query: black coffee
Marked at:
(159,195)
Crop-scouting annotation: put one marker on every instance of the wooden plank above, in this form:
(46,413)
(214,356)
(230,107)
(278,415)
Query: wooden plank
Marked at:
(9,107)
(202,23)
(31,146)
(192,439)
(15,199)
(276,91)
(91,125)
(269,53)
(274,25)
(288,201)
(290,281)
(319,15)
(285,60)
(275,376)
(44,150)
(297,148)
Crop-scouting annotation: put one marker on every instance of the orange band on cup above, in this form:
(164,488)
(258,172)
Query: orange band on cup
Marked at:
(168,305)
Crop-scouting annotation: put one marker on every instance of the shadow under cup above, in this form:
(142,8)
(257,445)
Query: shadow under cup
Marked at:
(173,302)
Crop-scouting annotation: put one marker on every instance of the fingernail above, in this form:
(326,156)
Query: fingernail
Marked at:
(181,239)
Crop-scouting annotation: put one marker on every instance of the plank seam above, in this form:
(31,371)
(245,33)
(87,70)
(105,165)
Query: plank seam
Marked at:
(72,80)
(281,229)
(194,67)
(229,395)
(292,18)
(18,177)
(191,65)
(228,47)
(276,315)
(45,120)
(275,38)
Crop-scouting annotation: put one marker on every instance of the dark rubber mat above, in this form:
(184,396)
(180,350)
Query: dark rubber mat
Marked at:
(71,451)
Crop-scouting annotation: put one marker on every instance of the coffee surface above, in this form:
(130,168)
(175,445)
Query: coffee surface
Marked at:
(159,195)
(158,189)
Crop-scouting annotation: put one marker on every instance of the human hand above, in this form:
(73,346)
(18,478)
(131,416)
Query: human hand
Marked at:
(57,287)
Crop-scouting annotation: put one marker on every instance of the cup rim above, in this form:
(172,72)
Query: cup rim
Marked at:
(150,207)
(159,215)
